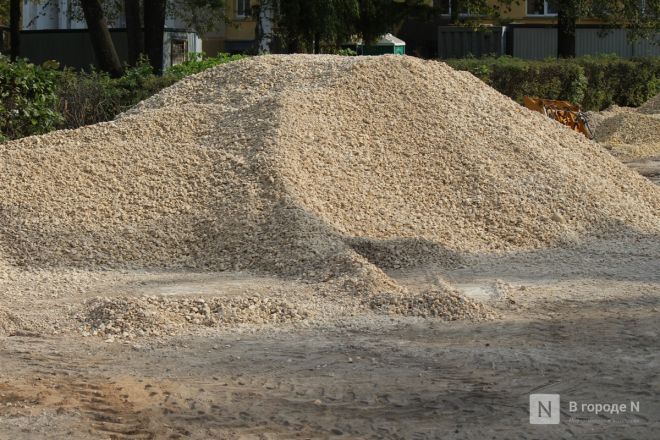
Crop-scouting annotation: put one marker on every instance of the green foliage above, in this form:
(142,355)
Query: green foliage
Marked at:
(27,99)
(618,81)
(593,82)
(347,52)
(198,63)
(38,99)
(328,23)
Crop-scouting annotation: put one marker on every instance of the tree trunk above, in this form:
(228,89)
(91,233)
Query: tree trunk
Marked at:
(264,29)
(455,11)
(565,31)
(133,31)
(104,48)
(154,28)
(317,43)
(15,17)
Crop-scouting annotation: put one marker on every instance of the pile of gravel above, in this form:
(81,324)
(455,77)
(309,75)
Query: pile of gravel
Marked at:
(652,106)
(130,317)
(629,133)
(323,168)
(442,304)
(11,323)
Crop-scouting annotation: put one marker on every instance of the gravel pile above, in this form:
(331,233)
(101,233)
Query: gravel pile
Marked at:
(10,323)
(652,106)
(629,133)
(132,317)
(315,167)
(442,304)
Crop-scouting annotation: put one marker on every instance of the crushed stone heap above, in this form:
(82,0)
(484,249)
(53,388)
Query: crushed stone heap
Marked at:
(629,133)
(320,167)
(652,106)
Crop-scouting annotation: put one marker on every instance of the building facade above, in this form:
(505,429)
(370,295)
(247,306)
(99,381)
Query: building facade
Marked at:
(56,30)
(528,30)
(238,34)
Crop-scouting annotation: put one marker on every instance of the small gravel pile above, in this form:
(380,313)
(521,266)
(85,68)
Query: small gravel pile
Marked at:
(442,304)
(652,106)
(132,317)
(10,323)
(322,168)
(629,133)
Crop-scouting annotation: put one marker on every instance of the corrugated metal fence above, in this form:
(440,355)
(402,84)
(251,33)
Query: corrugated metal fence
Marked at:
(541,42)
(456,42)
(538,42)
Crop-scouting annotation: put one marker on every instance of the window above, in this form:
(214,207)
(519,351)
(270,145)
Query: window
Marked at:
(243,8)
(541,7)
(178,51)
(444,7)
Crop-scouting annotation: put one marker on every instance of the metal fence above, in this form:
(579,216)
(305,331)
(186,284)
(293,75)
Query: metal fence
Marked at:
(73,48)
(457,42)
(538,42)
(541,42)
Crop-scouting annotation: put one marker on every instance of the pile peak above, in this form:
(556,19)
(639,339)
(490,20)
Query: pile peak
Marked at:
(321,167)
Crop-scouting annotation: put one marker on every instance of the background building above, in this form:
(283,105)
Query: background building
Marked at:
(55,31)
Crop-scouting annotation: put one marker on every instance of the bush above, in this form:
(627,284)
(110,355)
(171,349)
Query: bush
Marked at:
(27,99)
(593,82)
(38,99)
(90,97)
(199,63)
(618,81)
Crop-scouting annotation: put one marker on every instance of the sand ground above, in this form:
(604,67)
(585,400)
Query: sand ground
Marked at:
(582,322)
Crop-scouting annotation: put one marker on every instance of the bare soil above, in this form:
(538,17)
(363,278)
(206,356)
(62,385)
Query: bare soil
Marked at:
(582,322)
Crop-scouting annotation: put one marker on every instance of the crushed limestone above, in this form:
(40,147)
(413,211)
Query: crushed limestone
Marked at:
(130,317)
(322,168)
(629,133)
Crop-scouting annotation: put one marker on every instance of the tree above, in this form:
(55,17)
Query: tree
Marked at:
(640,17)
(154,28)
(305,24)
(135,43)
(376,17)
(15,18)
(201,15)
(104,48)
(568,12)
(265,30)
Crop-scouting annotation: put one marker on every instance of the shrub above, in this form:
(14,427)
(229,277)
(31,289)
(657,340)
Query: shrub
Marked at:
(618,81)
(199,63)
(88,98)
(556,80)
(27,99)
(593,82)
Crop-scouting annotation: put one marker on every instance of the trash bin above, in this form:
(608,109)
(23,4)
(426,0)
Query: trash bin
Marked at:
(388,44)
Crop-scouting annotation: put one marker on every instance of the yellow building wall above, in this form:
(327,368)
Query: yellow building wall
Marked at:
(236,29)
(518,14)
(239,29)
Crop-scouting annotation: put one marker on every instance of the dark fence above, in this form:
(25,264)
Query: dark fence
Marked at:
(437,39)
(73,48)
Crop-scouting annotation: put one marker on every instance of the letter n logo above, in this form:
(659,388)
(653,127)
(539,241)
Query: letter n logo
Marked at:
(544,409)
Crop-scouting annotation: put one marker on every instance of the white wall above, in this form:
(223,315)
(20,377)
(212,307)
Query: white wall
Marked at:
(37,16)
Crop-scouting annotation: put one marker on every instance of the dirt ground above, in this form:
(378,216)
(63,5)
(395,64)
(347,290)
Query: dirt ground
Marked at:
(582,322)
(649,167)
